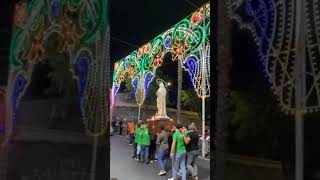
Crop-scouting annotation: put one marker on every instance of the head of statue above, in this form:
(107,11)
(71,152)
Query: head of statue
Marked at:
(161,85)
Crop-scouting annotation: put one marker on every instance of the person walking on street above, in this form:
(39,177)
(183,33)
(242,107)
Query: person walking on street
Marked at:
(178,152)
(145,143)
(137,141)
(192,151)
(162,141)
(131,131)
(120,127)
(152,147)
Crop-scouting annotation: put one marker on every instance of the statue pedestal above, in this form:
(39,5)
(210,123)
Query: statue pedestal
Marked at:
(154,124)
(160,118)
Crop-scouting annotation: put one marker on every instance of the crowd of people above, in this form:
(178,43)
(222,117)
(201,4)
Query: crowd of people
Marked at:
(179,143)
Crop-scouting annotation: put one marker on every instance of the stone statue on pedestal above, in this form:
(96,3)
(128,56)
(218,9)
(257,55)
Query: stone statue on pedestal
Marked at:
(161,102)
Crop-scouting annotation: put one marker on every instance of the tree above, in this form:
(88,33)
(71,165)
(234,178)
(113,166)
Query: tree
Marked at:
(224,64)
(259,128)
(191,102)
(62,82)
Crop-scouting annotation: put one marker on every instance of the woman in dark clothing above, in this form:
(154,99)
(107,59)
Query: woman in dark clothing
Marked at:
(192,151)
(120,127)
(153,146)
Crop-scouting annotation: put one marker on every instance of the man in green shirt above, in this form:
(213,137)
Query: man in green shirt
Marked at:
(145,143)
(178,152)
(137,138)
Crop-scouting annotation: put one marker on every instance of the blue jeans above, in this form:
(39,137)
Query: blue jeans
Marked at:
(161,158)
(179,162)
(138,150)
(144,152)
(131,138)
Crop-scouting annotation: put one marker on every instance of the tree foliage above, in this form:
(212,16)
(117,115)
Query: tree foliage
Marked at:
(257,123)
(62,83)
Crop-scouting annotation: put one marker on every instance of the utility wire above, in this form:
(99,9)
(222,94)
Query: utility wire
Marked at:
(124,42)
(192,4)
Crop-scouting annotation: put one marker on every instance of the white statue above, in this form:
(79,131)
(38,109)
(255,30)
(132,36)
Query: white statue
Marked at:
(161,101)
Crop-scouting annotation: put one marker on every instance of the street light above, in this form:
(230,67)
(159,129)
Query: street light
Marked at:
(169,84)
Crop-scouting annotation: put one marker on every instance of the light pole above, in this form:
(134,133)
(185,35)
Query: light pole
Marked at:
(300,85)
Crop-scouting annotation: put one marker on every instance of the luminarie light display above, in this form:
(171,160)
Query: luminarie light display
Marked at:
(188,42)
(82,28)
(184,41)
(287,35)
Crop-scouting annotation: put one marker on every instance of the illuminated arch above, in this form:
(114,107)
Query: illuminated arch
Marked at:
(83,28)
(187,41)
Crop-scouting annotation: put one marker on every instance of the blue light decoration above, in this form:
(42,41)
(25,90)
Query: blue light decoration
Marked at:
(135,85)
(82,67)
(259,18)
(54,8)
(167,42)
(115,90)
(272,25)
(147,81)
(18,88)
(190,64)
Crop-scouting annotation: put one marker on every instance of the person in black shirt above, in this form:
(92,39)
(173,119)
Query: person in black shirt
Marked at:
(120,127)
(192,151)
(153,147)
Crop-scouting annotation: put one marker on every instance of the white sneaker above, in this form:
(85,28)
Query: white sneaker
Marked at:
(162,173)
(171,178)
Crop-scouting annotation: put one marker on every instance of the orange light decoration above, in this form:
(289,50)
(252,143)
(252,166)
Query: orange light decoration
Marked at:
(180,49)
(157,59)
(20,14)
(121,76)
(69,36)
(131,71)
(140,52)
(36,51)
(147,48)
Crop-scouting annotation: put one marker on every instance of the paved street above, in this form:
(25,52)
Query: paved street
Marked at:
(123,167)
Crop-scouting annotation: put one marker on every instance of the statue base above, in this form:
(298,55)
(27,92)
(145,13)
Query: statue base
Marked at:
(155,121)
(160,118)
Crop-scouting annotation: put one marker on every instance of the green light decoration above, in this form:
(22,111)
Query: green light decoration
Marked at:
(83,28)
(185,40)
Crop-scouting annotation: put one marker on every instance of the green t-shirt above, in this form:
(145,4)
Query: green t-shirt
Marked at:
(187,133)
(137,135)
(180,145)
(145,137)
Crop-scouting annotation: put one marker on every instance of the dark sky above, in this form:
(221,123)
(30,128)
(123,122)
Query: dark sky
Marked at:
(6,12)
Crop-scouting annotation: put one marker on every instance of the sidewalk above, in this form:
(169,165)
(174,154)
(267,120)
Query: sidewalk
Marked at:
(120,156)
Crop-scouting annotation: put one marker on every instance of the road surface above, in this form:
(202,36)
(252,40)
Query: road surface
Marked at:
(123,167)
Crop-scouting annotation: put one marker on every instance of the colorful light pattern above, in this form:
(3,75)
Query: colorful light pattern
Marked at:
(83,28)
(272,24)
(187,37)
